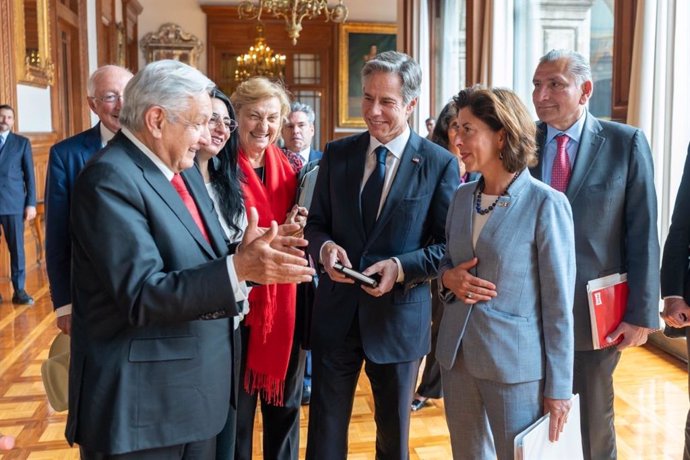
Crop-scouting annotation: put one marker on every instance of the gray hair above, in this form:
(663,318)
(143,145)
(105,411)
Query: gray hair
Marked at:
(306,109)
(577,64)
(400,63)
(96,75)
(168,84)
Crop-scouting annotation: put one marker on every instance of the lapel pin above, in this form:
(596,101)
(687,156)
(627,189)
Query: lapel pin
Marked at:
(415,159)
(503,204)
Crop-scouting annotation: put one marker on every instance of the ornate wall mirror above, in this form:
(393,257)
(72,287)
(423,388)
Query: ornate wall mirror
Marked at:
(32,41)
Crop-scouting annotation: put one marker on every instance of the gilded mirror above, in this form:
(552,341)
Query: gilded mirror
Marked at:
(32,41)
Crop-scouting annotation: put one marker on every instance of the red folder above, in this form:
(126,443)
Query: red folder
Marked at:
(608,298)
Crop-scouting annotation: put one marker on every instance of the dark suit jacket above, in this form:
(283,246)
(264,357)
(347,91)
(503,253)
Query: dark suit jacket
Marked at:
(394,327)
(66,159)
(144,371)
(17,187)
(674,265)
(612,195)
(314,155)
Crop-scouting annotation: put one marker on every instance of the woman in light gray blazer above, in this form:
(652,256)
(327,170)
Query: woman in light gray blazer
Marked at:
(505,342)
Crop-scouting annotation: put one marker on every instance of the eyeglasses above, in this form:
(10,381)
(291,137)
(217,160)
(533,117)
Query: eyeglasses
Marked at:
(109,98)
(228,124)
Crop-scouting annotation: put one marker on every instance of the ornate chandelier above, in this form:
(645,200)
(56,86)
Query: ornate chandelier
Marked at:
(293,11)
(260,60)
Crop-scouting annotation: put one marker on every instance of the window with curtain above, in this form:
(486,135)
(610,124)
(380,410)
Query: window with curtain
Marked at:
(585,26)
(450,39)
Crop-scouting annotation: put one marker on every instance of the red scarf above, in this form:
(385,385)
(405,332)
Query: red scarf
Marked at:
(271,318)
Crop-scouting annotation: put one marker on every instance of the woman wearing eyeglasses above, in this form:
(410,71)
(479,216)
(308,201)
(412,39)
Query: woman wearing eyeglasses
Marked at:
(217,162)
(272,361)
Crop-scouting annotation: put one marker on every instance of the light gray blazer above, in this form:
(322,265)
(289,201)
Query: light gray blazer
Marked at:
(527,249)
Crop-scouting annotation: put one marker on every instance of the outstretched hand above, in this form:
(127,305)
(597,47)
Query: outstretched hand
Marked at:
(265,257)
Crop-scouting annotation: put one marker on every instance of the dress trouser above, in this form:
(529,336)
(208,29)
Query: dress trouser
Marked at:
(335,376)
(199,450)
(225,441)
(593,381)
(430,386)
(13,226)
(280,424)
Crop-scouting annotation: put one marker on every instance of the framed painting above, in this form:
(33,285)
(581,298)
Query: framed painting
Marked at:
(358,43)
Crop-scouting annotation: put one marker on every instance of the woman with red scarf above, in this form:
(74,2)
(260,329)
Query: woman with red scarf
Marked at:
(273,363)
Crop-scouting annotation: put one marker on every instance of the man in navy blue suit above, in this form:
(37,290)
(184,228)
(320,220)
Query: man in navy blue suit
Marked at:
(17,198)
(104,88)
(379,206)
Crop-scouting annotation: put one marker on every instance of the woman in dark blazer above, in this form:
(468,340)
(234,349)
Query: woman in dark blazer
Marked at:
(505,342)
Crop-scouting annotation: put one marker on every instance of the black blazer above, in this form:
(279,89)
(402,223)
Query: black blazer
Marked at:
(145,372)
(674,264)
(411,227)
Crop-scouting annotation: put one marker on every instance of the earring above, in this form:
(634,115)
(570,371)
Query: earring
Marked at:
(500,156)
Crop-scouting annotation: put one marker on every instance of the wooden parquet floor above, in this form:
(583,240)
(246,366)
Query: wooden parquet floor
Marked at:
(651,398)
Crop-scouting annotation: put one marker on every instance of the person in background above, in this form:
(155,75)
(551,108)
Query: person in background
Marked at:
(605,169)
(297,133)
(104,91)
(217,162)
(675,274)
(379,206)
(17,200)
(505,342)
(272,359)
(444,132)
(429,123)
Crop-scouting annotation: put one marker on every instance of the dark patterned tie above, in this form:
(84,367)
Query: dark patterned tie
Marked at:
(295,160)
(371,193)
(188,201)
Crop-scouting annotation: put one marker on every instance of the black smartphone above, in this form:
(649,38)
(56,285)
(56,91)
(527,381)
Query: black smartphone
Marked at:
(357,276)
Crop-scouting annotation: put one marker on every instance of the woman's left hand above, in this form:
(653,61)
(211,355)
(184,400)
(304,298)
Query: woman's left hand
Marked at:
(298,215)
(559,409)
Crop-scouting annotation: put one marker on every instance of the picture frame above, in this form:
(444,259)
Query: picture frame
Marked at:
(171,42)
(357,43)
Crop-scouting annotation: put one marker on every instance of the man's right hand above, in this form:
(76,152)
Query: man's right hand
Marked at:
(258,260)
(330,254)
(64,323)
(676,312)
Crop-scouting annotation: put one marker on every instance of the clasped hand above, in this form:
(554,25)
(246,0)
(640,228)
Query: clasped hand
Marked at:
(271,255)
(387,269)
(466,287)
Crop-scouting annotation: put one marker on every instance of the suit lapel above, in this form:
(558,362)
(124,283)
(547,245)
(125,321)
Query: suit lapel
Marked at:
(197,188)
(410,162)
(354,173)
(590,146)
(92,143)
(166,191)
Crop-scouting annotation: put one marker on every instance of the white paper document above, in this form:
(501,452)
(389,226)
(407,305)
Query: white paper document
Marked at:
(533,443)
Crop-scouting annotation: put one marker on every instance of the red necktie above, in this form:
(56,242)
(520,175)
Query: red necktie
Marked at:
(188,201)
(560,173)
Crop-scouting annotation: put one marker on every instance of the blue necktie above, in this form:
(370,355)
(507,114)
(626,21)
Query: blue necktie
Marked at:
(371,193)
(2,142)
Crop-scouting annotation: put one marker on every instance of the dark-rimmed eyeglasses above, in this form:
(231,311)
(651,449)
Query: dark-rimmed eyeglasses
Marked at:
(228,124)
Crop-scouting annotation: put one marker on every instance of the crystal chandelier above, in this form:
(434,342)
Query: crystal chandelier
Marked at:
(293,11)
(260,60)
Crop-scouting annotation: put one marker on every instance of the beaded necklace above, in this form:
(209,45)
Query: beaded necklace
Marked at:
(478,203)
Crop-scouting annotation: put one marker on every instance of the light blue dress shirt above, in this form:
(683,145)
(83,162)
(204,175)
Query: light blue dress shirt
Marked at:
(549,152)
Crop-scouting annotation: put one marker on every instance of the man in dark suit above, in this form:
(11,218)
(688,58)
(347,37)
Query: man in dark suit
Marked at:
(297,133)
(153,286)
(605,169)
(675,277)
(104,89)
(379,206)
(17,199)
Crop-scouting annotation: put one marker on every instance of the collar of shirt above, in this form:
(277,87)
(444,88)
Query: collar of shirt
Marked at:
(106,134)
(151,156)
(396,146)
(574,132)
(304,154)
(4,136)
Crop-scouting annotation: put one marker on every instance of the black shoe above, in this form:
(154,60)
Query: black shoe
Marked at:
(418,404)
(20,297)
(306,395)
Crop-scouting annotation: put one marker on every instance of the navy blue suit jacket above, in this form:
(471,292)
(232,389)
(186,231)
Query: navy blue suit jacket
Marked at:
(17,186)
(314,155)
(66,159)
(411,226)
